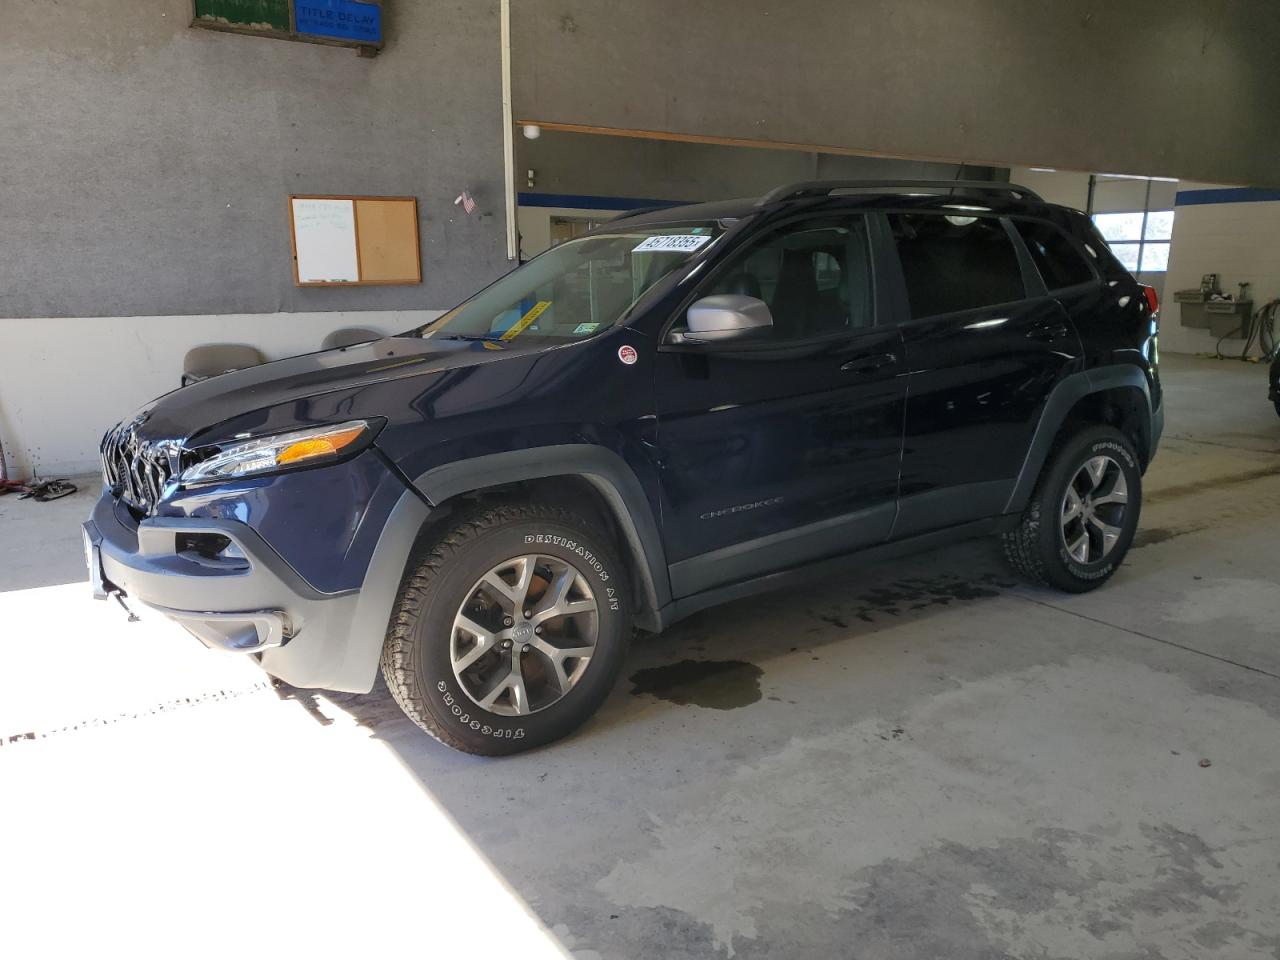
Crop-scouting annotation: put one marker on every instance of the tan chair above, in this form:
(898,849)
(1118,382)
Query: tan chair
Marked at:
(212,359)
(348,337)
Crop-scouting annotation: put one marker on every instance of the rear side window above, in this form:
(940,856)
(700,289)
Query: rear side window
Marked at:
(955,263)
(1057,259)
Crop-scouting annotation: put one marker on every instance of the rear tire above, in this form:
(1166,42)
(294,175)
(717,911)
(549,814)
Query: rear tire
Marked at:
(465,663)
(1082,516)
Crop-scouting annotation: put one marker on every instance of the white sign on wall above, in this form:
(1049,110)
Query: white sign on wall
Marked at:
(325,236)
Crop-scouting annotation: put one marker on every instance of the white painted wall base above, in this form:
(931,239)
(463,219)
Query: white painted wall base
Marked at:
(63,382)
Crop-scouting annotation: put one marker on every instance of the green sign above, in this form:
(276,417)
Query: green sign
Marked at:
(260,16)
(345,23)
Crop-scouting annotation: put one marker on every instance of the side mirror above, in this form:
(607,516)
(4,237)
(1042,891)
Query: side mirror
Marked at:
(727,316)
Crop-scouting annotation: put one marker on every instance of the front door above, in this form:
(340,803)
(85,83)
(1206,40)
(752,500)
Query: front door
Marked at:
(783,450)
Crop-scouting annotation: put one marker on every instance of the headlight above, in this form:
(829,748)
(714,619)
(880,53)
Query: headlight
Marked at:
(280,452)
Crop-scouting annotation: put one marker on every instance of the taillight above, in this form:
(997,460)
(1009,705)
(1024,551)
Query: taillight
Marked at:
(1153,301)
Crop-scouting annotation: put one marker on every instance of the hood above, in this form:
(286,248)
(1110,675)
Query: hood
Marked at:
(200,408)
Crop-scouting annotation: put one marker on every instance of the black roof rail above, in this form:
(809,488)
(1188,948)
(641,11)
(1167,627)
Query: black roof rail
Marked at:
(637,211)
(822,188)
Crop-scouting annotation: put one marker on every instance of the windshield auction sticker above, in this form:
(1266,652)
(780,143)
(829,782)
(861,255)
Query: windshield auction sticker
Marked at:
(675,243)
(518,327)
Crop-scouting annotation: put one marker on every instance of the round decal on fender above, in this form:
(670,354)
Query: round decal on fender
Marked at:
(627,354)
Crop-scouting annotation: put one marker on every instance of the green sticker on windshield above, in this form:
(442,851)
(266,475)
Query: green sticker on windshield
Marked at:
(585,328)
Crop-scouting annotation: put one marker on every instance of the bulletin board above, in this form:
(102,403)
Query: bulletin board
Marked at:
(354,241)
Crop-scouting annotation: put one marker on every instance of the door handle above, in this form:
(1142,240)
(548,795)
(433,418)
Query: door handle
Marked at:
(868,364)
(1048,331)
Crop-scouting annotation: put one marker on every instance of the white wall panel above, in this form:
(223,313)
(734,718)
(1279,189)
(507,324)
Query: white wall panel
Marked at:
(64,381)
(1237,241)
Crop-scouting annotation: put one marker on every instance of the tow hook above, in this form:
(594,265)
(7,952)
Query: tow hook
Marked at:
(119,598)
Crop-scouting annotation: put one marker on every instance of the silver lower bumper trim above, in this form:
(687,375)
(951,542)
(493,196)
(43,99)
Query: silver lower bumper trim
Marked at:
(247,632)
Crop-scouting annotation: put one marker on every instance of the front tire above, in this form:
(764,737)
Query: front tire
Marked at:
(509,629)
(1083,514)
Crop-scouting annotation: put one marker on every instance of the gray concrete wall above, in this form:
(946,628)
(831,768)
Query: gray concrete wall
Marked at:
(1182,88)
(580,163)
(145,166)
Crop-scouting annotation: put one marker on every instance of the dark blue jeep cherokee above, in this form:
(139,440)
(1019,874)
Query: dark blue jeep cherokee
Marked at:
(683,407)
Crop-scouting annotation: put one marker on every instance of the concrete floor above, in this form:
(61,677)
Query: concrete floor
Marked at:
(923,760)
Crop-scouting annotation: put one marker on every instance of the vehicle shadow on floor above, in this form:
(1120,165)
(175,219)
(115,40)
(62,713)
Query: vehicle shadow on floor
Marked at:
(712,658)
(843,660)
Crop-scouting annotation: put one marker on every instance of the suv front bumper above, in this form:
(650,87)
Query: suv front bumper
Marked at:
(248,601)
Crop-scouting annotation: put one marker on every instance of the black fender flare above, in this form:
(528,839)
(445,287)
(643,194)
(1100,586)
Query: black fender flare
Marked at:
(354,665)
(1061,399)
(605,470)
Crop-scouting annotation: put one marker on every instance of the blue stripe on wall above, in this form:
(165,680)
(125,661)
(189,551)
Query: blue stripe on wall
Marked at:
(1191,198)
(584,202)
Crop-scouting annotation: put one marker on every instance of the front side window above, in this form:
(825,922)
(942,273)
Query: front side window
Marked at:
(815,276)
(953,263)
(577,289)
(1059,262)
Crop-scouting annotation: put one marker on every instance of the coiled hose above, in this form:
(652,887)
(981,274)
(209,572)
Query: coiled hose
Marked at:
(1262,329)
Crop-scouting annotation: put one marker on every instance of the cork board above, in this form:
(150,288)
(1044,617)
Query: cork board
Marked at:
(354,241)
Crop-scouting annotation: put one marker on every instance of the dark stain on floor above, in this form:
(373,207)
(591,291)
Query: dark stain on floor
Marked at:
(1211,483)
(916,593)
(1153,535)
(715,684)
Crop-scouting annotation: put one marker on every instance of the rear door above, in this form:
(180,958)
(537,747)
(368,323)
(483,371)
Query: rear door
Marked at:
(985,344)
(783,450)
(1071,273)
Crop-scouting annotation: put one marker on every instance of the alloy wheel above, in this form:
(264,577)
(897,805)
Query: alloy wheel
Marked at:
(1093,509)
(524,635)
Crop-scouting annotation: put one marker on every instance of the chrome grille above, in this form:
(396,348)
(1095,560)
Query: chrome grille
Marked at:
(136,470)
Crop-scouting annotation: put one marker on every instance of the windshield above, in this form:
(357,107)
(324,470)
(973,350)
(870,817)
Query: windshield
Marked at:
(577,289)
